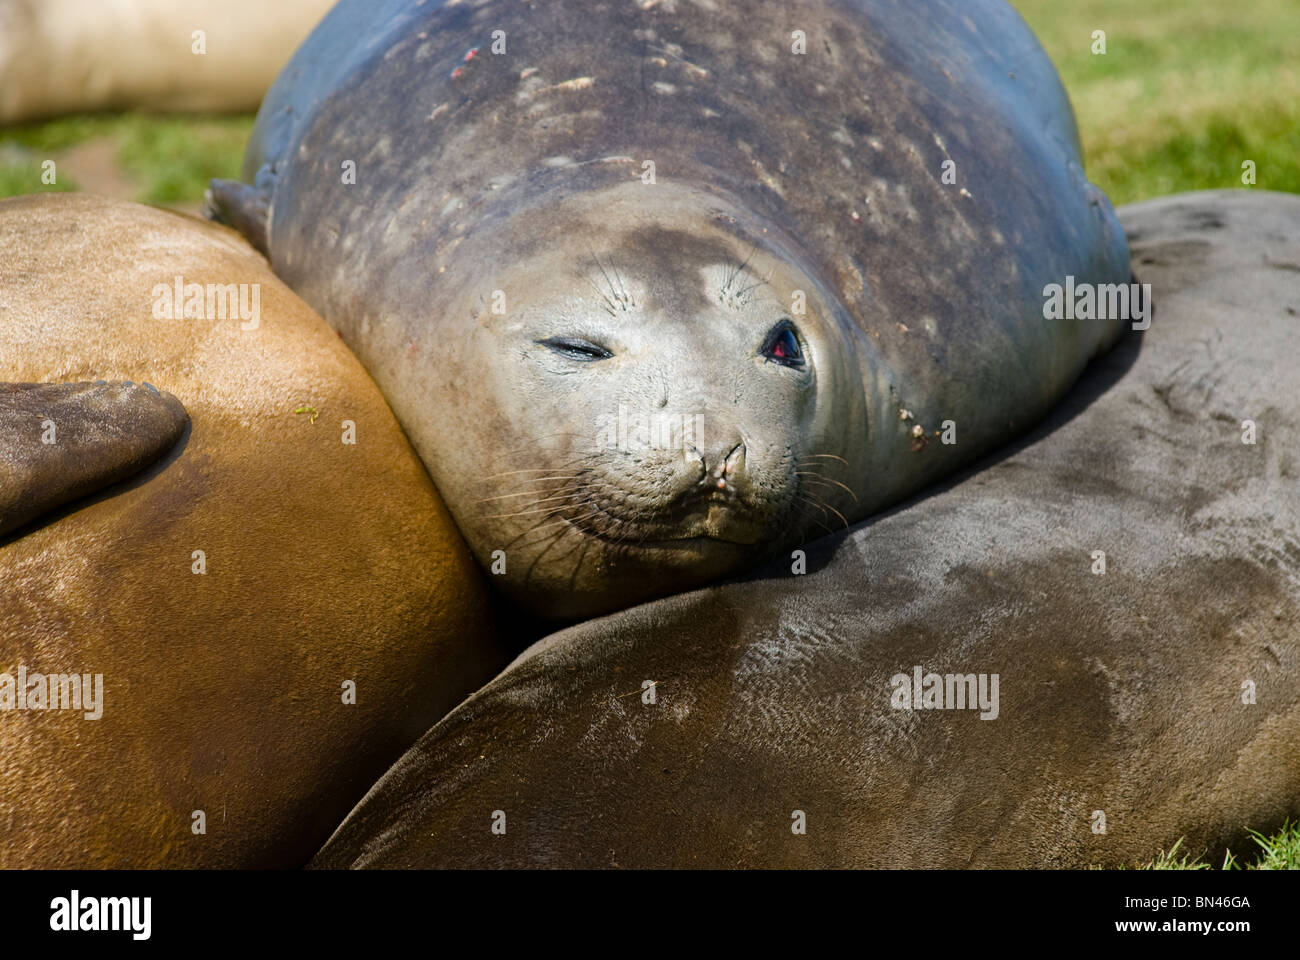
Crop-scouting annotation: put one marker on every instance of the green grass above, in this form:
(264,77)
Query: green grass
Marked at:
(23,175)
(164,160)
(1186,91)
(176,158)
(1281,851)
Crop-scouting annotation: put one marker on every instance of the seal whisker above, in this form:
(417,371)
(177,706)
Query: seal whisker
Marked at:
(539,525)
(569,520)
(803,511)
(577,567)
(524,513)
(627,297)
(609,305)
(828,456)
(527,493)
(739,269)
(522,493)
(538,559)
(601,267)
(825,479)
(557,477)
(508,473)
(757,283)
(553,466)
(823,503)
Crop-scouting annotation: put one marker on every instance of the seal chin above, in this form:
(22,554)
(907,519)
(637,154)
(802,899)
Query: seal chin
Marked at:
(701,520)
(688,542)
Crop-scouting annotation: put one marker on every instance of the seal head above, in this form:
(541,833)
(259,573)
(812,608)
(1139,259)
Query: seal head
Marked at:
(671,404)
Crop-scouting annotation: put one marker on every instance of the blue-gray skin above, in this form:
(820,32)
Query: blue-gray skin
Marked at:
(799,296)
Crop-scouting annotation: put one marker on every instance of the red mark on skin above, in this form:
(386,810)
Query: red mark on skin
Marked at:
(460,71)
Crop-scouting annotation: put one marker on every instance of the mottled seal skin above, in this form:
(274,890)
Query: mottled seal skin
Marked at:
(1120,692)
(325,562)
(798,278)
(75,56)
(109,432)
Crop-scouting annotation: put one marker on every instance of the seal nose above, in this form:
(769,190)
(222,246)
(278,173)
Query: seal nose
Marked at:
(723,471)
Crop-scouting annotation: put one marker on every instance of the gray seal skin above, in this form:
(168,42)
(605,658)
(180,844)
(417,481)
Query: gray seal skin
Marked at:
(798,290)
(1121,693)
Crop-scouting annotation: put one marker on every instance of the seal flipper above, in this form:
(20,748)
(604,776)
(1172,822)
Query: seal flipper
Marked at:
(247,209)
(61,441)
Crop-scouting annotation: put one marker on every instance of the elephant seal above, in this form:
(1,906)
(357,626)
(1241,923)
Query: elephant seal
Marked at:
(659,289)
(225,606)
(1157,700)
(76,56)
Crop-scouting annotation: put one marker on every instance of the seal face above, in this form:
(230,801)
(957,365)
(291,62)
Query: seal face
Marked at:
(662,408)
(656,289)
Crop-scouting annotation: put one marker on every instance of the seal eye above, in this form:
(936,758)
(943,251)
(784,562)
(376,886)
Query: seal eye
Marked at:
(575,348)
(782,346)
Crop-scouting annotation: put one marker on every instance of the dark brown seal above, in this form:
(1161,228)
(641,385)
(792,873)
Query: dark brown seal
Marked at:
(1157,700)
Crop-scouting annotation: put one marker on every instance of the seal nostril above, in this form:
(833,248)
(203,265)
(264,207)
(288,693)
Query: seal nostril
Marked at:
(692,453)
(735,462)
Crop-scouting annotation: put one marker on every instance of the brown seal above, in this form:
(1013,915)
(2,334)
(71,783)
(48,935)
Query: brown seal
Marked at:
(233,594)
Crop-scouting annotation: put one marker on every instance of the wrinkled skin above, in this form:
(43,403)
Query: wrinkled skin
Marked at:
(1120,692)
(498,208)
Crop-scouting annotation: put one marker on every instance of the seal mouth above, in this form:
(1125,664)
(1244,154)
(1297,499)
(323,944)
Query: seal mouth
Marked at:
(670,543)
(710,521)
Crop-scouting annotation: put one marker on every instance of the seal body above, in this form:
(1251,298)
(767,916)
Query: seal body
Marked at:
(1151,698)
(76,56)
(274,613)
(658,288)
